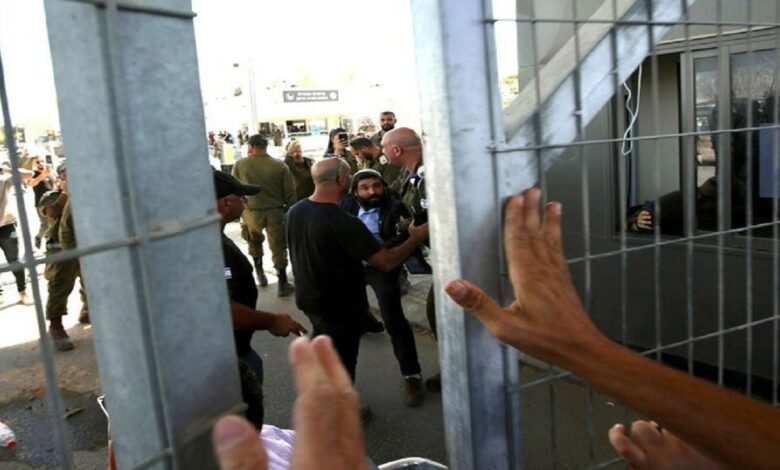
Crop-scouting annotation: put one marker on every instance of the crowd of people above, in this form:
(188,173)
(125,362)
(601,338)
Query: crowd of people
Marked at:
(357,215)
(350,220)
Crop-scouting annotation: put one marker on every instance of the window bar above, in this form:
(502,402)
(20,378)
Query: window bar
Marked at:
(538,154)
(775,218)
(619,116)
(580,149)
(47,350)
(689,185)
(162,407)
(722,184)
(657,294)
(749,211)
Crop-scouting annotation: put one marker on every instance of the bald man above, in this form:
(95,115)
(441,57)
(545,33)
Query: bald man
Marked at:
(327,250)
(403,147)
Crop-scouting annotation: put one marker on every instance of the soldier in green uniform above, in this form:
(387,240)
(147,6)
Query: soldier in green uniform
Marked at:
(300,168)
(266,209)
(372,158)
(338,140)
(386,123)
(404,147)
(55,205)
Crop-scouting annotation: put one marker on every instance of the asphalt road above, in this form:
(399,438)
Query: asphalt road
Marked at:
(396,430)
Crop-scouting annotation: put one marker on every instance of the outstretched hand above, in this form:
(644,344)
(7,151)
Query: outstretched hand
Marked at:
(546,319)
(652,447)
(326,417)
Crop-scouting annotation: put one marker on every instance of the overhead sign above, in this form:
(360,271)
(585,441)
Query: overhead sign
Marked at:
(298,96)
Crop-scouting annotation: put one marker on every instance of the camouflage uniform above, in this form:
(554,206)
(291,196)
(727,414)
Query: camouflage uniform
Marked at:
(301,176)
(414,198)
(61,275)
(266,209)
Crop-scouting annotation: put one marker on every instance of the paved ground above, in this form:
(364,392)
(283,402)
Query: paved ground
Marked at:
(554,416)
(396,430)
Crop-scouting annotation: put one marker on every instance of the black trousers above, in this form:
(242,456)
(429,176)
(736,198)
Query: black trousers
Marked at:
(9,243)
(346,338)
(388,293)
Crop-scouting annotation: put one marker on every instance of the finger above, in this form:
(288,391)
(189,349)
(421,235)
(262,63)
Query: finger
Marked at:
(516,240)
(350,428)
(307,370)
(478,303)
(552,233)
(646,434)
(331,363)
(623,445)
(532,219)
(312,415)
(237,445)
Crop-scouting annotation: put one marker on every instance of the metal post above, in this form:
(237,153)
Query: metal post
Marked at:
(133,129)
(460,112)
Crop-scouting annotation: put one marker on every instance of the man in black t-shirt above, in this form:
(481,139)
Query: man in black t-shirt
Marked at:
(231,202)
(327,249)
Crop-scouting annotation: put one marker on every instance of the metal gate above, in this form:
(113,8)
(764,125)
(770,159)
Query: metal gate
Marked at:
(131,115)
(620,106)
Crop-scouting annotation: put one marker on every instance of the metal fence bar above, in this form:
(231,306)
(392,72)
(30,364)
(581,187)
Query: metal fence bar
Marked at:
(131,71)
(775,229)
(723,182)
(453,74)
(44,342)
(565,145)
(749,214)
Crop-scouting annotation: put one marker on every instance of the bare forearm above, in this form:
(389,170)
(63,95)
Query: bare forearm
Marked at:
(393,257)
(734,430)
(245,318)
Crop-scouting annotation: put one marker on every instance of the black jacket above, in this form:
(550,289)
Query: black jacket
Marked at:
(390,213)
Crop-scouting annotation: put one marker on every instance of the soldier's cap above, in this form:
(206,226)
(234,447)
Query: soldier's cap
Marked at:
(62,169)
(225,185)
(365,174)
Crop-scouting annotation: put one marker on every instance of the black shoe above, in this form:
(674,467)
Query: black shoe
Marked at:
(433,384)
(373,325)
(284,287)
(261,279)
(413,392)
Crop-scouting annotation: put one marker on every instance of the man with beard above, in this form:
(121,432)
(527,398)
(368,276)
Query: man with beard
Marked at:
(381,213)
(387,124)
(327,250)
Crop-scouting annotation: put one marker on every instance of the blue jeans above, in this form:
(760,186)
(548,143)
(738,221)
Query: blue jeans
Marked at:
(255,362)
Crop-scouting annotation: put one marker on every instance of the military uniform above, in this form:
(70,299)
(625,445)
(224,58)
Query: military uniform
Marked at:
(352,161)
(266,209)
(62,274)
(415,200)
(301,176)
(389,171)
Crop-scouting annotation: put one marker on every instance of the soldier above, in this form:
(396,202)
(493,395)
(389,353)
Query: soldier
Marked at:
(404,147)
(55,205)
(386,123)
(266,209)
(373,159)
(300,168)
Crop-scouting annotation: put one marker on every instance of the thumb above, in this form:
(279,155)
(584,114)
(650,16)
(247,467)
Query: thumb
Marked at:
(476,301)
(237,445)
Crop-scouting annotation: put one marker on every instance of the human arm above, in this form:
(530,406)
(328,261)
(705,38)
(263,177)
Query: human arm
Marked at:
(278,324)
(36,180)
(55,208)
(547,321)
(288,190)
(388,259)
(326,417)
